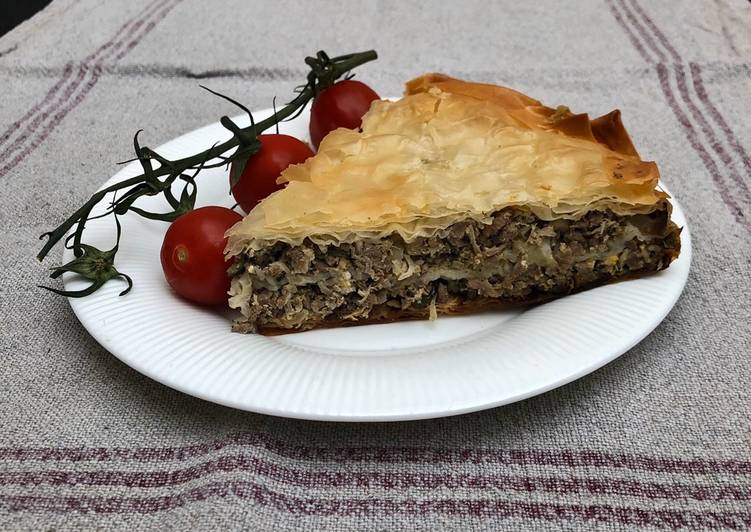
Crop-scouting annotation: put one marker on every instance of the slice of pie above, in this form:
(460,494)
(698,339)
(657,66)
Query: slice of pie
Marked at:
(459,197)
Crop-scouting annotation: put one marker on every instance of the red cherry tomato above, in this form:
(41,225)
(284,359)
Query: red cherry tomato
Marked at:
(341,105)
(193,254)
(258,179)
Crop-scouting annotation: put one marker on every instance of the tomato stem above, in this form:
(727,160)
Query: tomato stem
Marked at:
(324,71)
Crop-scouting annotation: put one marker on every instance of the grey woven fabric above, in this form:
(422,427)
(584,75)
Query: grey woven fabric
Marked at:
(659,438)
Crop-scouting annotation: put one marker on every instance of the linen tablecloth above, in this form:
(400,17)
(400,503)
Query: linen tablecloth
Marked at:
(658,438)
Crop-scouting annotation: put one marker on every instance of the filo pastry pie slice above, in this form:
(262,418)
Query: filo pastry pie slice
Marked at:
(459,197)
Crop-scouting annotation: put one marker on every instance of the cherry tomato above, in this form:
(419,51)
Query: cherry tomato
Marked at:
(258,179)
(341,105)
(193,254)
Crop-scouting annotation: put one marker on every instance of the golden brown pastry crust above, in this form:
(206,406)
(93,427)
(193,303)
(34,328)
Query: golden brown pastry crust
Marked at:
(449,150)
(608,129)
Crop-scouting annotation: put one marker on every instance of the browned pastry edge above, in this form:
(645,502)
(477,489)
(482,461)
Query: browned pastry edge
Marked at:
(607,130)
(392,315)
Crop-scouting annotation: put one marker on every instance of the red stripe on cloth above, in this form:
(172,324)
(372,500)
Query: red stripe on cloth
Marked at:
(660,36)
(15,126)
(709,163)
(680,73)
(357,507)
(138,18)
(709,133)
(630,34)
(72,104)
(717,116)
(297,476)
(644,34)
(561,458)
(68,70)
(691,135)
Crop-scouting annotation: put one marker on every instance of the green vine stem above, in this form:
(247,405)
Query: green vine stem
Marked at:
(98,266)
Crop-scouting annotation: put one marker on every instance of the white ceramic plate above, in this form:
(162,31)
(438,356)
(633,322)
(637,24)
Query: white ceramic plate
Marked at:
(397,371)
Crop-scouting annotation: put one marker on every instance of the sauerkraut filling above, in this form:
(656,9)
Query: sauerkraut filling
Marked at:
(517,257)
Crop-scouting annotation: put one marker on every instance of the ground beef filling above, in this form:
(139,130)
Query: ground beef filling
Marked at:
(516,258)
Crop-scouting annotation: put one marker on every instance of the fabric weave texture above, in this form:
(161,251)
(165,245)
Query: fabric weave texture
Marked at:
(659,438)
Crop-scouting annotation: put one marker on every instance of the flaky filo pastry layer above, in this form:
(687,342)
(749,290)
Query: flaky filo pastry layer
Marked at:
(451,150)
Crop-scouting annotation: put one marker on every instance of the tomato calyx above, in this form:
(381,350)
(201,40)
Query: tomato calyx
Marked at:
(93,265)
(323,73)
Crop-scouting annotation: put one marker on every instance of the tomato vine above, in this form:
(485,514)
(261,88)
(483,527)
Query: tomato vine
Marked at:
(159,174)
